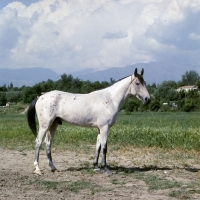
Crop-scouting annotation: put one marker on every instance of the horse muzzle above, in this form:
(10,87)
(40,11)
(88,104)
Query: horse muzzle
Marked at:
(147,100)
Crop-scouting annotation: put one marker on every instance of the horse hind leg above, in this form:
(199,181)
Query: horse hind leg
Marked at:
(48,140)
(38,143)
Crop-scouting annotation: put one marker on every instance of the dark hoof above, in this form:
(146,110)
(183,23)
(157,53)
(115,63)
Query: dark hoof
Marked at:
(54,170)
(107,171)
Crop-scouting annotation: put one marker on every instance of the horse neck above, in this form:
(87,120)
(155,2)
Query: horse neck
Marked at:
(120,91)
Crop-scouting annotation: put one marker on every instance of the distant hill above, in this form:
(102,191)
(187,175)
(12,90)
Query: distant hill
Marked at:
(154,72)
(26,76)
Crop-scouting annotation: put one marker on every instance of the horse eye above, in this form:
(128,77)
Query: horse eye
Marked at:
(137,83)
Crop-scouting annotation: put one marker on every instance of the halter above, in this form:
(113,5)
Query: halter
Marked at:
(131,83)
(132,79)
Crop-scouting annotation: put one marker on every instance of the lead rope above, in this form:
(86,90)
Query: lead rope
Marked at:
(178,152)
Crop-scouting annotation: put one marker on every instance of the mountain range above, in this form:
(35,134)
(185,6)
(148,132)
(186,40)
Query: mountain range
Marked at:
(26,76)
(154,72)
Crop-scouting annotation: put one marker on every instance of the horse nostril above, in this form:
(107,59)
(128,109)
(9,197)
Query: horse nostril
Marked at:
(147,100)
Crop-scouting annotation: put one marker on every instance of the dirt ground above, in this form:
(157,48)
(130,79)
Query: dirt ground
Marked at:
(147,174)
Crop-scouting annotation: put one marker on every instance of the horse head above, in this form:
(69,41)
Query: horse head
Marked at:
(138,87)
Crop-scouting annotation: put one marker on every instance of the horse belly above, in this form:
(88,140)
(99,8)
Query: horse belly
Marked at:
(78,115)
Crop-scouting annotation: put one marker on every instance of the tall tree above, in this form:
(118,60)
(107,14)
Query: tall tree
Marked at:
(3,88)
(190,77)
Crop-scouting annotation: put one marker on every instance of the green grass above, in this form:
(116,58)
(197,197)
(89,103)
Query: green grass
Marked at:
(14,132)
(155,182)
(181,130)
(159,183)
(183,194)
(58,186)
(141,129)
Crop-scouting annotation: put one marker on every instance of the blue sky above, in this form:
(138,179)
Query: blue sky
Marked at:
(4,3)
(68,36)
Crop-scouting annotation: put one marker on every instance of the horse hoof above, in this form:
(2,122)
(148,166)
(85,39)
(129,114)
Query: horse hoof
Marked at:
(108,172)
(38,172)
(54,170)
(97,170)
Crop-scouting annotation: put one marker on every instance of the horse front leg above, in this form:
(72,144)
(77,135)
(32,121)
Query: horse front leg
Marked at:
(96,156)
(103,162)
(103,141)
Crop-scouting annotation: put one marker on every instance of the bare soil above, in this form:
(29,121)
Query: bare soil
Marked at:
(147,174)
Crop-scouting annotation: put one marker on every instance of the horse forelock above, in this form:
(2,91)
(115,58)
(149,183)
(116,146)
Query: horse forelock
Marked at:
(140,78)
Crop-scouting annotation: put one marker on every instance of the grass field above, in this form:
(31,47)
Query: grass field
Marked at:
(151,155)
(141,129)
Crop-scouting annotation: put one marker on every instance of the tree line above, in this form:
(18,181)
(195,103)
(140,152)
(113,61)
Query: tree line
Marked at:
(164,96)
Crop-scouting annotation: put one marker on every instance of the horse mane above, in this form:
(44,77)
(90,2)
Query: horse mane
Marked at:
(120,80)
(140,77)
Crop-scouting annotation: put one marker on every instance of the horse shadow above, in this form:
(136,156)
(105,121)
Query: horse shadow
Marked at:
(120,169)
(150,168)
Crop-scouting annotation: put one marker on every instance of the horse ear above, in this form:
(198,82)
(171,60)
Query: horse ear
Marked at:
(142,72)
(135,72)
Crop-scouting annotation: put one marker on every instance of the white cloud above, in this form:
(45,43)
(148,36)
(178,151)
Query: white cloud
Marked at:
(71,35)
(194,36)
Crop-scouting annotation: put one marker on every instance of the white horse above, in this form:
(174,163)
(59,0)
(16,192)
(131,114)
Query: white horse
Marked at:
(97,109)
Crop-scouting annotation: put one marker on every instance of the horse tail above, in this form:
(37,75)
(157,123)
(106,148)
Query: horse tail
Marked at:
(31,117)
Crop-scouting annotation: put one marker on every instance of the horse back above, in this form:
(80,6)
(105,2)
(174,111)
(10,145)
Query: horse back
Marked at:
(91,109)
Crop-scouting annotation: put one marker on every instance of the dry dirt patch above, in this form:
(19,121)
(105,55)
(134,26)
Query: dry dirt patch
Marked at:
(137,174)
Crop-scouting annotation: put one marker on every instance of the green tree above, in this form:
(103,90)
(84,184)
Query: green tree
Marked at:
(66,82)
(166,91)
(189,105)
(3,88)
(190,77)
(132,104)
(172,95)
(14,96)
(171,84)
(76,85)
(10,87)
(3,99)
(112,81)
(154,105)
(28,95)
(151,88)
(86,87)
(198,84)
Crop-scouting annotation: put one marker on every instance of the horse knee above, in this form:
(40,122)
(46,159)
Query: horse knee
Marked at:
(38,143)
(47,143)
